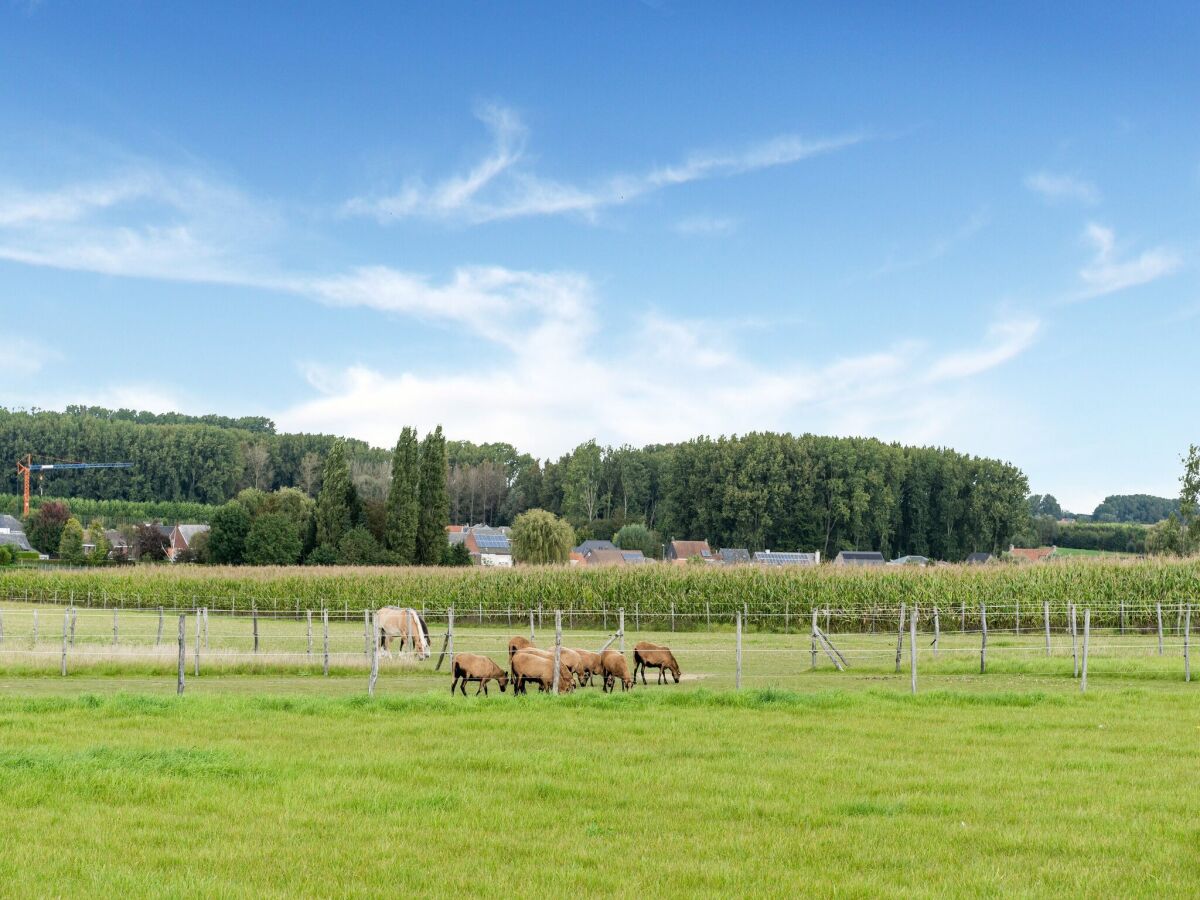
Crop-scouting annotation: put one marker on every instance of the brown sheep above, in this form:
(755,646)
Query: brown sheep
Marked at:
(532,665)
(517,643)
(654,656)
(590,665)
(615,667)
(472,667)
(566,657)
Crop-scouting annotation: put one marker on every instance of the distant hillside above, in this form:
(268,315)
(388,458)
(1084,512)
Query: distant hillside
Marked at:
(1139,508)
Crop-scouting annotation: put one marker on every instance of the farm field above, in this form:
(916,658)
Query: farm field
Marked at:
(679,793)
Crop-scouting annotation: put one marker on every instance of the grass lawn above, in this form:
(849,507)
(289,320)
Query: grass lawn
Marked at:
(856,791)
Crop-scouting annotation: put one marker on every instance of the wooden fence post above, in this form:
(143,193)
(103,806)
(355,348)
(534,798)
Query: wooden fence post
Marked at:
(738,677)
(1017,615)
(637,615)
(158,640)
(814,638)
(983,638)
(35,627)
(557,649)
(1187,635)
(1074,641)
(621,628)
(786,611)
(707,616)
(308,618)
(206,628)
(325,628)
(672,616)
(900,639)
(116,628)
(374,658)
(963,623)
(1046,617)
(531,624)
(1122,618)
(746,616)
(254,624)
(367,633)
(827,620)
(197,651)
(480,613)
(1087,634)
(182,653)
(450,635)
(937,631)
(66,620)
(1158,616)
(912,646)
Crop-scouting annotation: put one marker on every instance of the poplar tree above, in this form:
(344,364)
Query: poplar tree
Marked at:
(335,515)
(404,499)
(434,513)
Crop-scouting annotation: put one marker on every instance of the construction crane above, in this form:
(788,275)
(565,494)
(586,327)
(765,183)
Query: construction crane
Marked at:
(24,468)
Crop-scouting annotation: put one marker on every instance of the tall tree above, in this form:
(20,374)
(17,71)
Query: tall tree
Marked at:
(227,534)
(336,503)
(541,538)
(404,499)
(581,484)
(434,513)
(70,544)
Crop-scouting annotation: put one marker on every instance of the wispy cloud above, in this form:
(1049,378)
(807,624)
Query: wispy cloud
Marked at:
(1006,339)
(1107,274)
(1057,187)
(500,187)
(937,248)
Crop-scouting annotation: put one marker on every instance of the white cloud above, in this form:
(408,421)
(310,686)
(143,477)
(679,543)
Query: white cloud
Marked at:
(936,249)
(1005,340)
(498,188)
(1106,274)
(24,357)
(1059,187)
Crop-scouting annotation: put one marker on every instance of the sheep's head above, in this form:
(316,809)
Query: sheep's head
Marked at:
(502,680)
(674,667)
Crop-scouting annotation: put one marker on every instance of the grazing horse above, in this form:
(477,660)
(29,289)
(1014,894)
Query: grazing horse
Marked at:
(407,625)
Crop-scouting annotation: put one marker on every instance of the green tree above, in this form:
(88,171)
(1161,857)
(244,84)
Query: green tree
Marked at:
(335,511)
(404,499)
(539,537)
(99,541)
(45,525)
(358,547)
(1189,495)
(434,513)
(149,543)
(227,534)
(581,482)
(272,541)
(1167,538)
(636,536)
(456,555)
(70,543)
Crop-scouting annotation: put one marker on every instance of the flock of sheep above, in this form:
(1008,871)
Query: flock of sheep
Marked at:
(577,668)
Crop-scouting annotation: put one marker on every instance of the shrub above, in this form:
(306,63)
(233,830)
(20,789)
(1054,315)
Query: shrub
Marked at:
(358,547)
(273,540)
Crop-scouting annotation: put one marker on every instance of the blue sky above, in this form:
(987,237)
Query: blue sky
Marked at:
(637,222)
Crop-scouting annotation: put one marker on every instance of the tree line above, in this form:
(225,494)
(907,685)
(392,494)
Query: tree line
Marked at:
(759,490)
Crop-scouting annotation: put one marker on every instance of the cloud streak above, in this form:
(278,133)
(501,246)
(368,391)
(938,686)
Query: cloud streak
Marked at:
(1059,188)
(1108,274)
(500,187)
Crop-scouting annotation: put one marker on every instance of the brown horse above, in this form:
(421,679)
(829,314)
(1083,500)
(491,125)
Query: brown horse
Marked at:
(407,625)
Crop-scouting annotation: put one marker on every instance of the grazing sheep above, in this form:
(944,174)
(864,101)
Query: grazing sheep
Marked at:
(566,657)
(615,667)
(654,656)
(533,665)
(589,664)
(472,667)
(518,643)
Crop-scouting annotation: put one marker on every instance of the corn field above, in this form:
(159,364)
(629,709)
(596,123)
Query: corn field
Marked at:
(1133,587)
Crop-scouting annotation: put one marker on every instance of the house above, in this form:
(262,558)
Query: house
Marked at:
(179,538)
(682,551)
(733,556)
(12,534)
(979,559)
(118,545)
(602,556)
(456,534)
(910,560)
(489,546)
(588,546)
(859,558)
(767,558)
(1031,554)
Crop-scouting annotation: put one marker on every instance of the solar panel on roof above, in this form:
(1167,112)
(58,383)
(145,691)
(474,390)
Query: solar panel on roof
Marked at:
(491,541)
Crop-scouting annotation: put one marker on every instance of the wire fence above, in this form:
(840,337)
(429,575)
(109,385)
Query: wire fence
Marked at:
(722,649)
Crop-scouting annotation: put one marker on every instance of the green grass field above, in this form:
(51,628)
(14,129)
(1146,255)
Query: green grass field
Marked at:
(669,792)
(268,779)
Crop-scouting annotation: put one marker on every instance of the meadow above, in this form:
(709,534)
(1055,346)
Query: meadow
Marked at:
(850,792)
